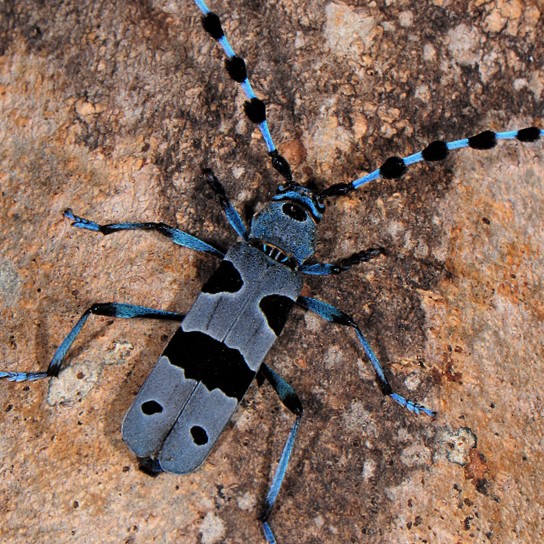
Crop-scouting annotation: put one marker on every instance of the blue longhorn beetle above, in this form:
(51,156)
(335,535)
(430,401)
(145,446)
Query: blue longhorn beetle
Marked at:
(208,365)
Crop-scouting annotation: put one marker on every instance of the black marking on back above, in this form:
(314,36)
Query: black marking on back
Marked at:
(294,211)
(211,362)
(150,407)
(200,436)
(226,279)
(276,309)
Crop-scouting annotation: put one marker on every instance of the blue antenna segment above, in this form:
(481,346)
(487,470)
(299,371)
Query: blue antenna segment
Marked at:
(395,167)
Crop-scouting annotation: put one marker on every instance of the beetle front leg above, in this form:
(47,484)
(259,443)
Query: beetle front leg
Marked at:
(177,236)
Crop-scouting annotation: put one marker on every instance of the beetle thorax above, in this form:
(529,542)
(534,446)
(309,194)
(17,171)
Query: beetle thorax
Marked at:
(285,229)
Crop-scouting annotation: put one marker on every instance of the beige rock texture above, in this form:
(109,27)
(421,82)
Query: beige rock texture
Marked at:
(114,108)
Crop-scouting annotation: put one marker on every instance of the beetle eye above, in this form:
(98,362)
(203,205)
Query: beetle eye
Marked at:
(294,211)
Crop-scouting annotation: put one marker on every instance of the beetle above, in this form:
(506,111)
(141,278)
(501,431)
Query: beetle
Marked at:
(279,244)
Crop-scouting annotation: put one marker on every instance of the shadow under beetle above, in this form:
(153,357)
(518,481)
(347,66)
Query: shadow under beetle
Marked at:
(219,348)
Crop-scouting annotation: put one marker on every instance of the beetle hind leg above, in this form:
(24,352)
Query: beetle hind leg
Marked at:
(290,400)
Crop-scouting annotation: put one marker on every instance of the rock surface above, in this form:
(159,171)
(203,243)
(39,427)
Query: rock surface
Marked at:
(113,110)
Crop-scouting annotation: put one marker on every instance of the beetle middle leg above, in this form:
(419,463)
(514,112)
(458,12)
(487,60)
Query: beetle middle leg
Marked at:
(334,315)
(110,309)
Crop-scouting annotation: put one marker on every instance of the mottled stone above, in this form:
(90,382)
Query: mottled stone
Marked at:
(113,109)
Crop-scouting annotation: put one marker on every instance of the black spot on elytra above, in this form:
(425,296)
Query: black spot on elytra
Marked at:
(151,407)
(226,279)
(200,436)
(211,362)
(276,309)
